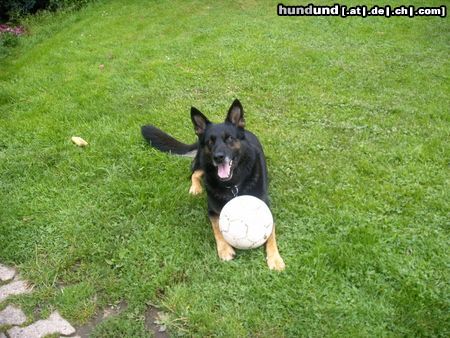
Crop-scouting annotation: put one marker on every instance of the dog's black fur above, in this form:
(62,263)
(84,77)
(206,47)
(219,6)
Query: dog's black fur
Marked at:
(230,158)
(216,143)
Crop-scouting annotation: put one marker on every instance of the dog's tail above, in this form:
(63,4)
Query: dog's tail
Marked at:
(166,143)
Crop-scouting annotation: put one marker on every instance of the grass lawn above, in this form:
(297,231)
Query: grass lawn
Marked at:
(354,117)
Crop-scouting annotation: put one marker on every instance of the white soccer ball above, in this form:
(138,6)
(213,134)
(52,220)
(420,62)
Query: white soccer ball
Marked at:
(246,222)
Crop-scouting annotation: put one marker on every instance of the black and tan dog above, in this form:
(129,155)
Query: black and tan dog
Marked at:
(231,161)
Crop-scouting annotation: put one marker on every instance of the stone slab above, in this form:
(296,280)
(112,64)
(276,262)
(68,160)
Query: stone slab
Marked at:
(14,288)
(6,273)
(55,324)
(12,316)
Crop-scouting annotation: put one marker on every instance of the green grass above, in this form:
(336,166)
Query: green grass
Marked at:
(354,117)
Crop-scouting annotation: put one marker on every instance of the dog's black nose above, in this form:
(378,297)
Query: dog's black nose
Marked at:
(219,157)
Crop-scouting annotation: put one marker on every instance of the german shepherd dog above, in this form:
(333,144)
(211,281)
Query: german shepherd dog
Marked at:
(231,162)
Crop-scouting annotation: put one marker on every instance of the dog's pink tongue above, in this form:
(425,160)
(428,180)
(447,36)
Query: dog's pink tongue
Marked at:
(223,170)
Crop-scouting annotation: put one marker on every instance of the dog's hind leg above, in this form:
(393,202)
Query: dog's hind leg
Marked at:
(196,186)
(274,260)
(225,250)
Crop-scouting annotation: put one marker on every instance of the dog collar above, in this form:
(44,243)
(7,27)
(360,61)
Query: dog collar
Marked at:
(234,190)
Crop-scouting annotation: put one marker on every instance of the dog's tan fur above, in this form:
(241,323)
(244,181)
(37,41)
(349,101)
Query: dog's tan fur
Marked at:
(196,186)
(224,250)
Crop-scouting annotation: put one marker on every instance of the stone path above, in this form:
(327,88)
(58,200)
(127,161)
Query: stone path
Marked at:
(13,320)
(12,317)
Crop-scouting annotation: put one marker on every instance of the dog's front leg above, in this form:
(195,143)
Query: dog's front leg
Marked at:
(196,186)
(225,250)
(274,260)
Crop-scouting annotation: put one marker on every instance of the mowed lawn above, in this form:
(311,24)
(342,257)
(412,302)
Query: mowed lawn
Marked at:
(354,118)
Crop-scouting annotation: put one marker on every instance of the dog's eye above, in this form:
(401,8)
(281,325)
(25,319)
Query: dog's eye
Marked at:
(211,142)
(229,139)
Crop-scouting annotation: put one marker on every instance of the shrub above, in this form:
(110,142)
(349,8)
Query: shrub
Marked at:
(8,39)
(72,4)
(11,10)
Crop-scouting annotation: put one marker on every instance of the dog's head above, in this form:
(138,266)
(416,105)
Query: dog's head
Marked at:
(221,142)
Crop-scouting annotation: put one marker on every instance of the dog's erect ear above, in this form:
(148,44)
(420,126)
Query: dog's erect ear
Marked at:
(236,114)
(199,120)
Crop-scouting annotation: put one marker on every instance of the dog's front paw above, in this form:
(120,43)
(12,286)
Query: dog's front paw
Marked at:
(225,251)
(195,189)
(275,262)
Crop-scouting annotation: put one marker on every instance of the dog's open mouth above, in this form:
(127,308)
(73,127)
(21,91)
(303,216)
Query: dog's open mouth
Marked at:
(225,170)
